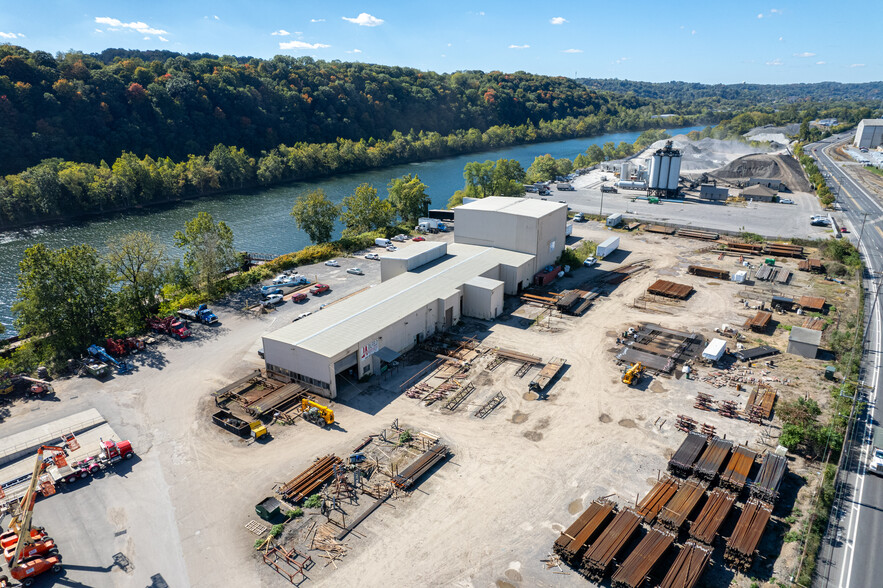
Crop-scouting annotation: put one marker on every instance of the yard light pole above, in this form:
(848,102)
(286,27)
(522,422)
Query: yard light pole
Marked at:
(601,210)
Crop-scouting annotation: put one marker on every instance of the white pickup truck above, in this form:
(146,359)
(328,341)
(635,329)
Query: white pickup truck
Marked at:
(876,465)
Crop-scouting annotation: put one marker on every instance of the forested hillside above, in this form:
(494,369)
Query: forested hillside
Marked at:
(743,95)
(87,108)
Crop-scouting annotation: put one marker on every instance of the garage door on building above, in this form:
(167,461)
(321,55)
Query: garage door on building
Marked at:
(347,362)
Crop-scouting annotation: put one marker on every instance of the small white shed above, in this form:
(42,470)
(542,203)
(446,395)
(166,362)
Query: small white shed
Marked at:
(715,350)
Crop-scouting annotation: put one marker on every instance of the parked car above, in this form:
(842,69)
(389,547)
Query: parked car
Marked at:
(392,248)
(590,261)
(295,281)
(400,238)
(280,278)
(820,222)
(419,239)
(373,256)
(300,297)
(273,299)
(785,201)
(844,230)
(355,271)
(319,288)
(332,263)
(301,315)
(270,290)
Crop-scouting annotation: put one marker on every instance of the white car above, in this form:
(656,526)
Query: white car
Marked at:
(392,248)
(332,263)
(590,261)
(301,315)
(399,238)
(273,299)
(373,256)
(280,279)
(785,201)
(355,271)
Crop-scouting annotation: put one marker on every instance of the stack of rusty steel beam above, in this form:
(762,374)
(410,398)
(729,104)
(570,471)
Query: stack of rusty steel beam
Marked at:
(709,272)
(764,397)
(688,567)
(517,356)
(599,557)
(745,248)
(697,234)
(811,265)
(736,474)
(769,478)
(309,480)
(746,536)
(670,289)
(759,322)
(634,570)
(682,461)
(654,500)
(420,466)
(674,514)
(712,516)
(572,542)
(784,249)
(709,465)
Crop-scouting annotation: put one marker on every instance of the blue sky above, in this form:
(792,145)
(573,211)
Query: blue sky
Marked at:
(708,42)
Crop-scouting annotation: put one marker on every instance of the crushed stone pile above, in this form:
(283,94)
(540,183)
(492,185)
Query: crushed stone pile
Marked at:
(705,154)
(775,167)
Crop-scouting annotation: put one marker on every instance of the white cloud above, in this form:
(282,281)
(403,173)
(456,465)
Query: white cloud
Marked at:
(481,13)
(775,11)
(622,59)
(781,38)
(302,45)
(163,39)
(805,54)
(140,27)
(450,44)
(355,51)
(280,33)
(820,63)
(98,31)
(317,20)
(760,16)
(857,65)
(775,62)
(146,38)
(558,20)
(365,20)
(519,46)
(693,32)
(216,17)
(10,35)
(572,51)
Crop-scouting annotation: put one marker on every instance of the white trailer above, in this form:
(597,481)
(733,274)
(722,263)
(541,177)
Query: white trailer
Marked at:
(614,220)
(715,350)
(382,242)
(607,247)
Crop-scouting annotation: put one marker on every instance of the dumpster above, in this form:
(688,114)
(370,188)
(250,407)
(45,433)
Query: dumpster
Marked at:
(269,508)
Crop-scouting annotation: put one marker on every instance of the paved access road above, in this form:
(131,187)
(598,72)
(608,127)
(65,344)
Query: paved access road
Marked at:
(850,554)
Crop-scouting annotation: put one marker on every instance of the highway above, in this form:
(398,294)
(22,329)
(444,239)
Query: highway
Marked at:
(850,552)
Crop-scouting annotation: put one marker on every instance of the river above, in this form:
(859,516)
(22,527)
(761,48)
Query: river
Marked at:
(260,219)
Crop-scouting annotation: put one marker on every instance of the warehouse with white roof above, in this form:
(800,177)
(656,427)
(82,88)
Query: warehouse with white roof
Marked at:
(499,244)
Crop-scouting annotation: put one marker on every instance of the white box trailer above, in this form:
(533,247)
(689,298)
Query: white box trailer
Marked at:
(607,247)
(614,220)
(382,242)
(715,350)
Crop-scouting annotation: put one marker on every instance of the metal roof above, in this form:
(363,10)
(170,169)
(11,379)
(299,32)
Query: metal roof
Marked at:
(518,206)
(808,336)
(414,249)
(345,324)
(485,283)
(758,190)
(872,122)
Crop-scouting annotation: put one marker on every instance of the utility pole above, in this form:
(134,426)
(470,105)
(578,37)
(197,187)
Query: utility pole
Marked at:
(601,210)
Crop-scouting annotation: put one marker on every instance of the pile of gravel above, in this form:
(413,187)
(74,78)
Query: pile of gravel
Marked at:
(774,167)
(708,153)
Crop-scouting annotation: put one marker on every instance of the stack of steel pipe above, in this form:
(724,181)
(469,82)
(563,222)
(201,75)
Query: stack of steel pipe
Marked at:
(634,570)
(712,516)
(681,463)
(599,557)
(584,530)
(653,502)
(713,458)
(310,479)
(420,466)
(738,468)
(683,503)
(769,478)
(688,567)
(749,529)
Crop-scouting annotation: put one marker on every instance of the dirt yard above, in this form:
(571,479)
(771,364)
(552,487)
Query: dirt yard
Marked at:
(489,514)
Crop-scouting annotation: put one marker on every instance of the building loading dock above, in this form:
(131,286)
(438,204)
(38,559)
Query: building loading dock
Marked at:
(425,288)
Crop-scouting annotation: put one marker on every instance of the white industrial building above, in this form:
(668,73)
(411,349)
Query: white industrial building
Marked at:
(869,133)
(500,243)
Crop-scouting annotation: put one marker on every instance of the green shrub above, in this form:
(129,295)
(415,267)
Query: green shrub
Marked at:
(293,514)
(314,501)
(405,436)
(277,530)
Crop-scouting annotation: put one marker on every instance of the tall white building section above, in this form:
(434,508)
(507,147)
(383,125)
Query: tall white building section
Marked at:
(869,133)
(665,170)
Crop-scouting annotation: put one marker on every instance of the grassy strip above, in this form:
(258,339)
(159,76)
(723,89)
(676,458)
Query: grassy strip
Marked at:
(817,526)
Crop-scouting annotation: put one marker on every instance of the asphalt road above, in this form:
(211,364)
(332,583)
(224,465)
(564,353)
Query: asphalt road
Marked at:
(850,553)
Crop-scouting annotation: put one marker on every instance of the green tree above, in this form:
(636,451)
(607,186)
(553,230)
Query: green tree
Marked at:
(208,251)
(479,178)
(315,214)
(364,211)
(508,178)
(138,261)
(65,295)
(595,154)
(407,195)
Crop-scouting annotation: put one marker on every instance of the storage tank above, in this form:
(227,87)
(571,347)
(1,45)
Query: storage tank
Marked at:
(665,169)
(664,163)
(624,171)
(654,171)
(674,171)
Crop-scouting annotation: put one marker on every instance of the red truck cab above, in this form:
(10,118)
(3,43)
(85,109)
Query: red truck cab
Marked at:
(179,329)
(113,452)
